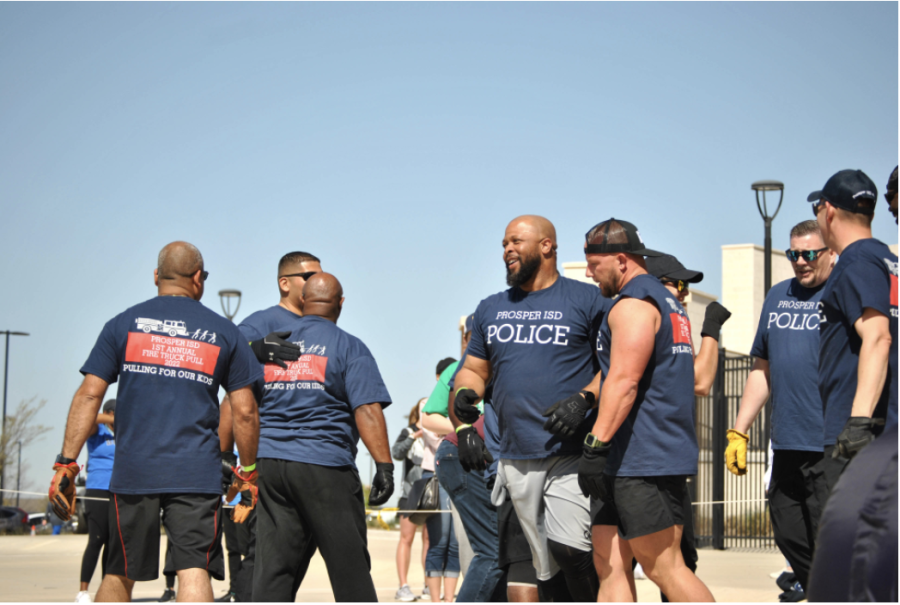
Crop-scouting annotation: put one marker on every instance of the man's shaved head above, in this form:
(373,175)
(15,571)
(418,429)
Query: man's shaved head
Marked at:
(541,226)
(323,296)
(179,259)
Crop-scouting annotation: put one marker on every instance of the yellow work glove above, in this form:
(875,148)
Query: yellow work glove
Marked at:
(736,452)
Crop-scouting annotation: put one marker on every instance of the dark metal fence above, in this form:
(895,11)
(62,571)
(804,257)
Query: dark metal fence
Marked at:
(742,521)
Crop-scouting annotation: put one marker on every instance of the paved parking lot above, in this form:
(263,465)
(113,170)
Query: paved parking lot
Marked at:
(46,568)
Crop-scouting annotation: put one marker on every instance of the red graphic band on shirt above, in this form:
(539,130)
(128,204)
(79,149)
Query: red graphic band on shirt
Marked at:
(893,290)
(308,367)
(161,350)
(681,329)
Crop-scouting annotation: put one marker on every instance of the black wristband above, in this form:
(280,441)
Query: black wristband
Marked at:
(63,460)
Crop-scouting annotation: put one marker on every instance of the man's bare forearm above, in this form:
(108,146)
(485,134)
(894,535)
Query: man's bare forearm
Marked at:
(616,400)
(245,416)
(373,431)
(756,393)
(226,425)
(83,414)
(874,356)
(705,365)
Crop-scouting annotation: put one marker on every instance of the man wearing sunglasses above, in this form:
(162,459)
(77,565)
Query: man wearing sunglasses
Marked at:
(858,351)
(786,368)
(170,355)
(266,330)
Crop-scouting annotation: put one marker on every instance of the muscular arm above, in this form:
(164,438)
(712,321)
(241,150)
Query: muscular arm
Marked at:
(633,324)
(705,364)
(875,330)
(226,426)
(83,414)
(756,392)
(373,431)
(437,424)
(245,420)
(475,374)
(594,386)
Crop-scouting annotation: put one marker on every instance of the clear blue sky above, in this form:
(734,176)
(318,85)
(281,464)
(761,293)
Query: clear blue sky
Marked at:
(395,141)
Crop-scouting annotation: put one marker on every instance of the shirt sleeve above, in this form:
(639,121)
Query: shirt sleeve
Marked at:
(440,396)
(243,368)
(760,348)
(363,382)
(103,362)
(249,332)
(478,347)
(866,284)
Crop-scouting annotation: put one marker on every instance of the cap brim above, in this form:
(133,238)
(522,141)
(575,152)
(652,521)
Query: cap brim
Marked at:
(814,196)
(692,277)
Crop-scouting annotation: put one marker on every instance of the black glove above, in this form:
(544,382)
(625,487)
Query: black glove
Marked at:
(464,405)
(857,434)
(274,349)
(382,483)
(716,316)
(590,471)
(228,461)
(492,480)
(472,451)
(567,415)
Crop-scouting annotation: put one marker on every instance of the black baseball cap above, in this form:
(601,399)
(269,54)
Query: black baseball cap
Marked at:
(635,244)
(669,267)
(109,406)
(846,189)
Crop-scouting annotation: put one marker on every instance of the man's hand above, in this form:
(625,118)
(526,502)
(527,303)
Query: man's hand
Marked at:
(736,452)
(716,316)
(62,490)
(464,405)
(382,483)
(567,415)
(590,471)
(245,484)
(274,349)
(229,461)
(857,434)
(472,451)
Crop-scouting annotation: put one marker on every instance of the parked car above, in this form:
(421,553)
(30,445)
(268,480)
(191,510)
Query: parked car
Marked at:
(13,520)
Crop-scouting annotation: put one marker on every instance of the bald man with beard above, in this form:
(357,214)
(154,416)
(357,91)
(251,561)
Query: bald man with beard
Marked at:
(170,355)
(535,341)
(312,414)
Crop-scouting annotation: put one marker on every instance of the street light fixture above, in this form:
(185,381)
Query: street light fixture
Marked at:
(5,380)
(226,297)
(767,219)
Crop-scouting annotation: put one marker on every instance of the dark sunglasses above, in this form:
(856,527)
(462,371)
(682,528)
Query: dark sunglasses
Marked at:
(305,276)
(680,284)
(816,206)
(808,255)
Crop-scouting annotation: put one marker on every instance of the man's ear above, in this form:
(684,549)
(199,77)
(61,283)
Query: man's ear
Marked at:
(156,277)
(284,286)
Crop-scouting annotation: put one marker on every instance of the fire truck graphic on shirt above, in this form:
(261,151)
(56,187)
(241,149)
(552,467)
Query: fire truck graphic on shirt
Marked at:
(168,326)
(197,351)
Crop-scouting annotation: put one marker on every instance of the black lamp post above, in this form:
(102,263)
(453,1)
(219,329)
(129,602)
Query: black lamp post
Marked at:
(767,219)
(5,380)
(227,297)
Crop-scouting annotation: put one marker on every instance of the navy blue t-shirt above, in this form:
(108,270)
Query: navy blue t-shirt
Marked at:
(306,413)
(864,276)
(262,323)
(540,346)
(170,354)
(658,437)
(788,338)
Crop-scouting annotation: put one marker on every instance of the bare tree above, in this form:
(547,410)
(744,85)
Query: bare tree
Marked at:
(20,427)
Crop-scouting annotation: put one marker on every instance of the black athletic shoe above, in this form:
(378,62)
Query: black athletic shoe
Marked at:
(795,595)
(168,595)
(786,581)
(228,597)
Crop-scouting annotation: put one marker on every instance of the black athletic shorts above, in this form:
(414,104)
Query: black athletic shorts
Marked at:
(512,541)
(401,505)
(193,524)
(641,506)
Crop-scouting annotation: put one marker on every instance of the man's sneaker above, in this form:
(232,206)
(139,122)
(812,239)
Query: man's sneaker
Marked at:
(83,597)
(786,581)
(405,594)
(794,595)
(167,596)
(228,597)
(639,573)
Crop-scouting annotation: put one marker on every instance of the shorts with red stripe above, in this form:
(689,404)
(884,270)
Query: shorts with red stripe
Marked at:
(193,527)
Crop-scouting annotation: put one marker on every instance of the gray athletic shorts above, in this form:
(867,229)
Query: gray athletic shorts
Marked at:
(549,504)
